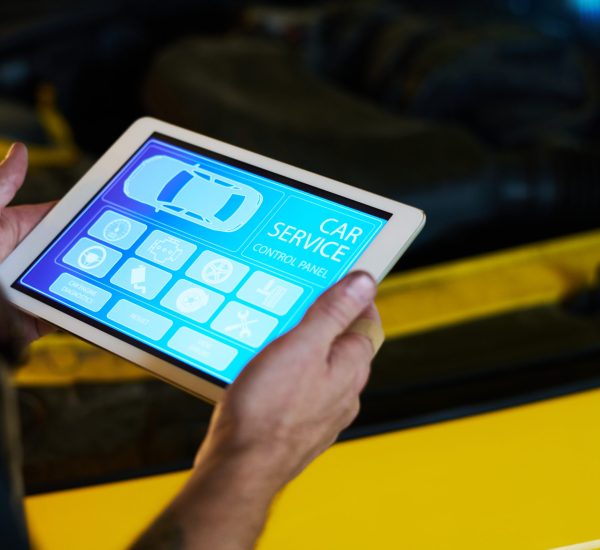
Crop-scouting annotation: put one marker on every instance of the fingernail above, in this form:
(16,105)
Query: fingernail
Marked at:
(361,286)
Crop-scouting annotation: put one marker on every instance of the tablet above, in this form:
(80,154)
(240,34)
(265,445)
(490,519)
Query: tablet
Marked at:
(187,255)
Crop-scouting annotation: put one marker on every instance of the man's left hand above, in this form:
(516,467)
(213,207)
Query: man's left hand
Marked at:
(17,221)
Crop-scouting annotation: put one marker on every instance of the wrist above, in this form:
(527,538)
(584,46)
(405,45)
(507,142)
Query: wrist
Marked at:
(226,501)
(258,466)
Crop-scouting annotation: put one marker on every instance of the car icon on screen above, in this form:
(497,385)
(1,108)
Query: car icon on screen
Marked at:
(193,193)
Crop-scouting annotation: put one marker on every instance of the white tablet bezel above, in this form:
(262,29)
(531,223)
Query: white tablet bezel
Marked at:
(398,233)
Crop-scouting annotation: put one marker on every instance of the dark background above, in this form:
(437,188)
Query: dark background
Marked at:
(484,114)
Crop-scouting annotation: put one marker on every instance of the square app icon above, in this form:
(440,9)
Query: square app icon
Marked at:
(166,250)
(193,301)
(141,278)
(217,271)
(92,257)
(270,292)
(202,348)
(117,230)
(244,324)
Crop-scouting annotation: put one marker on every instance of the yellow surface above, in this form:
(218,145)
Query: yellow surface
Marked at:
(489,285)
(62,151)
(420,300)
(524,478)
(61,359)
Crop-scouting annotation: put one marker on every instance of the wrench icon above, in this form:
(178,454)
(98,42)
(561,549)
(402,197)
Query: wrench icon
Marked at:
(243,325)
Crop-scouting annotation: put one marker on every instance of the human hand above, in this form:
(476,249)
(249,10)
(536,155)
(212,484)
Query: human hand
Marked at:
(17,221)
(286,407)
(292,401)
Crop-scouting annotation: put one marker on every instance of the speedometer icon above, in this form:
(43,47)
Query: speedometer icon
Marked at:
(116,230)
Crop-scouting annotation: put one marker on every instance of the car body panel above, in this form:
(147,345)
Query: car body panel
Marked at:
(525,478)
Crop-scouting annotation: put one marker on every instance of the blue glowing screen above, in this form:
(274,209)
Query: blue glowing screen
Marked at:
(200,259)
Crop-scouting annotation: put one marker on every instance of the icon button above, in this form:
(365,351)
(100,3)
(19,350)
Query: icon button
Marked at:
(244,324)
(270,293)
(166,250)
(92,257)
(80,292)
(217,271)
(193,301)
(141,278)
(202,348)
(139,319)
(117,230)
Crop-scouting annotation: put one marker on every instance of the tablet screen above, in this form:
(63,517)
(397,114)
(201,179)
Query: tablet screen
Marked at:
(198,258)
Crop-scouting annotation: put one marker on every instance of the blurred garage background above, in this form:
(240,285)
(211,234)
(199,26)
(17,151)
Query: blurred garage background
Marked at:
(484,114)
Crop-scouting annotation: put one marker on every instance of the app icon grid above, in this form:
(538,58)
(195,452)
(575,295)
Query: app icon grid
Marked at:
(190,292)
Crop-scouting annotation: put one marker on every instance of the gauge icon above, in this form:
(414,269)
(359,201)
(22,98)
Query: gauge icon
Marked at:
(116,230)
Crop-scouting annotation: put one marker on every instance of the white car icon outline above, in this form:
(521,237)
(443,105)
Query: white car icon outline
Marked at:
(193,193)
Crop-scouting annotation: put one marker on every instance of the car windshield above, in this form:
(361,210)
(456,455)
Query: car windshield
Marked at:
(174,186)
(230,207)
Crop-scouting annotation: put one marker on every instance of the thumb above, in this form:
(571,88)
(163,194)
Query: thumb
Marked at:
(12,172)
(337,308)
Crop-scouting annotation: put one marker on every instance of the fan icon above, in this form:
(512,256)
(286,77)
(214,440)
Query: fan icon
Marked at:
(217,271)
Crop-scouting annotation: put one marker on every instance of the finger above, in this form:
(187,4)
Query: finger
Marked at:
(350,361)
(369,326)
(358,343)
(336,309)
(34,328)
(25,217)
(352,352)
(12,172)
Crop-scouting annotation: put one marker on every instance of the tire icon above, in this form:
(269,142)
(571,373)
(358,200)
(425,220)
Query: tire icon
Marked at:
(217,271)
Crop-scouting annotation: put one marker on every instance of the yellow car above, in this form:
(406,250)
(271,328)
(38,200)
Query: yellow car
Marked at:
(521,477)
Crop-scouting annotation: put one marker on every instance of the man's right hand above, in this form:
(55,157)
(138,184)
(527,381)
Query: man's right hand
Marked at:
(294,399)
(287,406)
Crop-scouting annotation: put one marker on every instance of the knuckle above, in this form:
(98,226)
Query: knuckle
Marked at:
(362,377)
(359,347)
(301,342)
(355,408)
(361,374)
(352,412)
(335,310)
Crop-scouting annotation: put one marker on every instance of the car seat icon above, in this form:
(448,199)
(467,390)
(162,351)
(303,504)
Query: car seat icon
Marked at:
(193,193)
